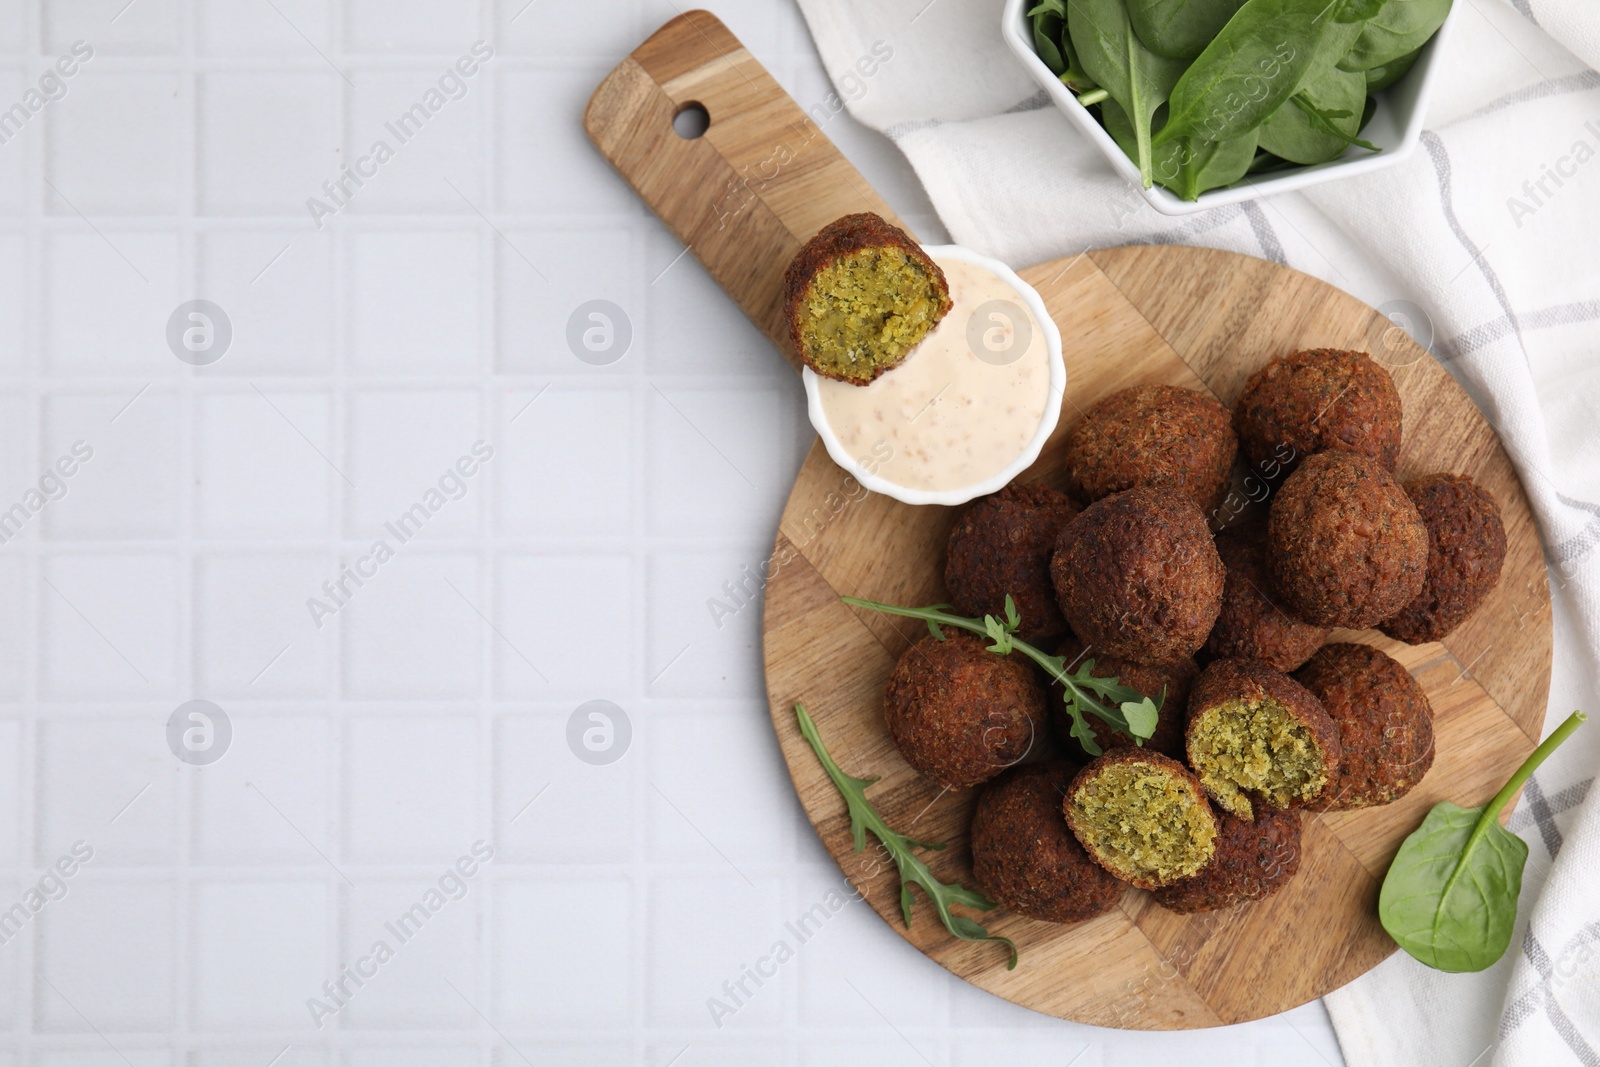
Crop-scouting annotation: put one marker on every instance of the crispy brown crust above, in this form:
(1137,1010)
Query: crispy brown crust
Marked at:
(1002,545)
(1253,860)
(1148,679)
(1133,755)
(1319,400)
(1151,431)
(1025,857)
(841,237)
(959,713)
(1385,725)
(1242,679)
(1345,545)
(1252,623)
(1466,549)
(1137,575)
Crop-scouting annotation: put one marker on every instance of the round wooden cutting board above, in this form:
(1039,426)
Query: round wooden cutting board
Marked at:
(744,197)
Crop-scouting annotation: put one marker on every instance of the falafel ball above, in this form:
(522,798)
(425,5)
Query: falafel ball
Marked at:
(1002,545)
(1466,549)
(1142,816)
(1252,624)
(1138,576)
(859,296)
(959,713)
(1385,725)
(1345,545)
(1319,400)
(1258,738)
(1023,855)
(1253,860)
(1150,431)
(1149,679)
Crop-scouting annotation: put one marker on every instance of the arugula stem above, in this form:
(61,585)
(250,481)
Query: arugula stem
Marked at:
(1051,664)
(1093,97)
(1491,810)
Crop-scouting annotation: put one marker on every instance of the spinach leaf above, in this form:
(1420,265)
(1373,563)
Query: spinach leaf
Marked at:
(1252,67)
(1400,26)
(1180,29)
(1450,897)
(1119,63)
(1296,134)
(1187,166)
(1384,75)
(1357,10)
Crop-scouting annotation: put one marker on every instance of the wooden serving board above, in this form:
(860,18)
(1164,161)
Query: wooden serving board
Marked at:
(744,198)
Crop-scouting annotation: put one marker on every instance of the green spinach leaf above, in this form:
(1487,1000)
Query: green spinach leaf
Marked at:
(1136,78)
(1450,897)
(1252,67)
(1187,166)
(1320,121)
(1400,26)
(1384,75)
(1180,29)
(1357,10)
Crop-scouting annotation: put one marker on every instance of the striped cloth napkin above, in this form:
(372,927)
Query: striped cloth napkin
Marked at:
(1485,244)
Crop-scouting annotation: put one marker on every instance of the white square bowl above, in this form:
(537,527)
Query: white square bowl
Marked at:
(1395,128)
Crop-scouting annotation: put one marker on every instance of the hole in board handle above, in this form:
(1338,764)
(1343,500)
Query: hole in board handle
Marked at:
(691,121)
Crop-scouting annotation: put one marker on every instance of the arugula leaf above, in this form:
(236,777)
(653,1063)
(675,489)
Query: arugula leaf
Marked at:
(864,817)
(1450,897)
(1113,55)
(1081,691)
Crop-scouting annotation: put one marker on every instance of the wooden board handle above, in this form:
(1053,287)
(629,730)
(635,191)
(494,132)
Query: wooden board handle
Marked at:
(745,196)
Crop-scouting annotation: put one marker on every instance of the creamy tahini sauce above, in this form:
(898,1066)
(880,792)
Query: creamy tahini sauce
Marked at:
(946,418)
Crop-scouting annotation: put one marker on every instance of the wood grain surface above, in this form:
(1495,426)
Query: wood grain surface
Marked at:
(744,197)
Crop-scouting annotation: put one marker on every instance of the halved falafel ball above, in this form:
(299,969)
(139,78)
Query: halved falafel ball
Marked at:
(1256,737)
(1002,545)
(1138,576)
(1319,400)
(859,296)
(1150,431)
(1466,549)
(959,713)
(1142,816)
(1023,855)
(1252,623)
(1345,545)
(1253,860)
(1385,725)
(1149,679)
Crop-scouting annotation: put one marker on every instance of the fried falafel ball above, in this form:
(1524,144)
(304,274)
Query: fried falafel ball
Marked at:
(1138,576)
(1142,816)
(1150,680)
(859,296)
(1023,855)
(1001,546)
(1252,623)
(1150,431)
(1319,400)
(1385,725)
(1466,549)
(1345,545)
(1253,860)
(1257,738)
(959,713)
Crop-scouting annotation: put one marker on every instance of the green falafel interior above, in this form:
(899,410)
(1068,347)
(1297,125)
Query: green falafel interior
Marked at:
(866,311)
(1255,746)
(1143,823)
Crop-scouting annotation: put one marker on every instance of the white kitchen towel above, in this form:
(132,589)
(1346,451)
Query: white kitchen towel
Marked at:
(1485,243)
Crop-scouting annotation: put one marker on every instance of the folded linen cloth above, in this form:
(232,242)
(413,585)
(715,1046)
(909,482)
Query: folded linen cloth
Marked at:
(1485,244)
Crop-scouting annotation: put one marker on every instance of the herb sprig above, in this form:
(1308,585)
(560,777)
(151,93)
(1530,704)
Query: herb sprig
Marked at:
(902,849)
(1128,710)
(1450,897)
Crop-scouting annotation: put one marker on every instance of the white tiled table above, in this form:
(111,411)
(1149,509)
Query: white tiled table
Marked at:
(430,711)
